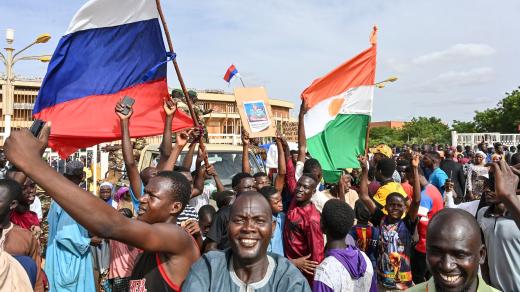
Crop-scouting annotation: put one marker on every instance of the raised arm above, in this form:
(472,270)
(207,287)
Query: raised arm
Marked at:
(22,149)
(170,108)
(245,151)
(363,187)
(416,200)
(180,141)
(506,182)
(136,183)
(302,140)
(188,159)
(211,171)
(469,185)
(279,182)
(341,187)
(198,180)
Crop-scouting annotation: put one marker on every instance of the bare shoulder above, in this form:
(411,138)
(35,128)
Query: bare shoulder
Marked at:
(175,238)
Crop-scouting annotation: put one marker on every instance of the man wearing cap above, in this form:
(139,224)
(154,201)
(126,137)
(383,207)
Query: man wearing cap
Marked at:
(68,262)
(383,151)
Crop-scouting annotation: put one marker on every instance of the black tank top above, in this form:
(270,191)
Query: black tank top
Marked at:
(149,276)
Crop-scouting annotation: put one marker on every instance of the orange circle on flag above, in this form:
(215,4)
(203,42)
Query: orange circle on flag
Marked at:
(335,106)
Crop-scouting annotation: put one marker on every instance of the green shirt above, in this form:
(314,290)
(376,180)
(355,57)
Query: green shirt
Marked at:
(430,286)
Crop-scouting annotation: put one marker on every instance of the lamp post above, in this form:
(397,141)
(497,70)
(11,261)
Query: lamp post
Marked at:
(9,59)
(382,84)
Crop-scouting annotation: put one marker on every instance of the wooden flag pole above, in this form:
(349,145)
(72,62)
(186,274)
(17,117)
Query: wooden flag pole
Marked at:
(179,76)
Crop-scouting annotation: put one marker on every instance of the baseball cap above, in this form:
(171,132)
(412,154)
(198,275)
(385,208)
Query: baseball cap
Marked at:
(74,167)
(383,149)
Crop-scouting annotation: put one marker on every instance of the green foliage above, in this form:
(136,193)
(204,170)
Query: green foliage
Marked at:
(464,127)
(385,135)
(424,130)
(420,130)
(504,118)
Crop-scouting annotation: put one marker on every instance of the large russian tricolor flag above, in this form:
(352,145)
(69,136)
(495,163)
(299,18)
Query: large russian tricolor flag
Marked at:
(107,51)
(339,110)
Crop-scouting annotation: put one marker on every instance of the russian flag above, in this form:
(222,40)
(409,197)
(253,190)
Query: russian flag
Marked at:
(111,49)
(231,71)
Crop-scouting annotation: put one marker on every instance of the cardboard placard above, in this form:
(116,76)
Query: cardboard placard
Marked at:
(255,112)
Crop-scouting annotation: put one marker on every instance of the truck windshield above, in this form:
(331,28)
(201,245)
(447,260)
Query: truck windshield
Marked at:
(226,163)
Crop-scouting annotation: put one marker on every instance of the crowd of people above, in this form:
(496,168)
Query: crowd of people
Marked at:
(418,218)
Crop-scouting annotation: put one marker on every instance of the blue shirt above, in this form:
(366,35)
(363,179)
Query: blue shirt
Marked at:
(438,179)
(276,243)
(135,200)
(366,238)
(68,263)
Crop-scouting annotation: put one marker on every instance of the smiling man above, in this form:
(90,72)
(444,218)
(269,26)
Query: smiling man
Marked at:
(169,250)
(454,251)
(246,266)
(302,233)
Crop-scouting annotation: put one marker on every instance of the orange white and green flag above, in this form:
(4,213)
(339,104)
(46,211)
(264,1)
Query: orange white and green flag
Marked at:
(339,110)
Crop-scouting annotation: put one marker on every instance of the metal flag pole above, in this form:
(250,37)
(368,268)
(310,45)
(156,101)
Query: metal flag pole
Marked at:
(242,81)
(179,76)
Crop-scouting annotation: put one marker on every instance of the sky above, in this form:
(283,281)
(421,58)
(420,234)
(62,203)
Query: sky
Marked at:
(451,57)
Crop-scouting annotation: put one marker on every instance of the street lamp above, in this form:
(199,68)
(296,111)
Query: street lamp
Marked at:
(382,84)
(9,59)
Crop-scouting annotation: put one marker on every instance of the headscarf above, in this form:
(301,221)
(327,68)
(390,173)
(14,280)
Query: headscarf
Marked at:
(107,184)
(481,153)
(120,193)
(382,149)
(111,186)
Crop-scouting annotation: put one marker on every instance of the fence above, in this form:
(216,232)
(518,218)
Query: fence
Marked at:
(473,139)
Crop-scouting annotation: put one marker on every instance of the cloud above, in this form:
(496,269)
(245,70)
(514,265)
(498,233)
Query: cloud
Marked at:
(457,101)
(396,65)
(448,80)
(457,52)
(465,78)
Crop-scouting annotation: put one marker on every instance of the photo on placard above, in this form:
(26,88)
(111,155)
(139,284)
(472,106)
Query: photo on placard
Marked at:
(257,116)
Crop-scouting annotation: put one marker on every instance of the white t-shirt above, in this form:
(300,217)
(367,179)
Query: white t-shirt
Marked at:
(470,207)
(319,199)
(203,199)
(36,207)
(332,273)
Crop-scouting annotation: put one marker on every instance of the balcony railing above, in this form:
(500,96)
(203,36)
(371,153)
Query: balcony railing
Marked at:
(232,139)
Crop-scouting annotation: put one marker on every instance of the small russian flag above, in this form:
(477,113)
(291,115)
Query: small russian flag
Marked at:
(231,71)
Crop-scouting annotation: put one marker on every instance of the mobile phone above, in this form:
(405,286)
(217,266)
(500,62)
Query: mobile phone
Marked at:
(37,127)
(128,102)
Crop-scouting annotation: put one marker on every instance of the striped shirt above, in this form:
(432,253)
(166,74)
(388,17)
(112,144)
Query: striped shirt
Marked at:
(189,213)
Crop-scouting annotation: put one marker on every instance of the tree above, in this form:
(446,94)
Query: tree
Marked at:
(464,127)
(424,130)
(504,118)
(385,135)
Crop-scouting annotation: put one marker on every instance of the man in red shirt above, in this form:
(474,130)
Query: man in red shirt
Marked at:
(431,203)
(302,233)
(22,215)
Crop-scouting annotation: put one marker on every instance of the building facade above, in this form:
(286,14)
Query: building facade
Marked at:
(223,123)
(387,124)
(25,92)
